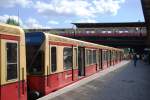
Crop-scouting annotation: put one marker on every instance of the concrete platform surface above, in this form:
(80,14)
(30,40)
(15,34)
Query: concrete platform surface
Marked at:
(116,83)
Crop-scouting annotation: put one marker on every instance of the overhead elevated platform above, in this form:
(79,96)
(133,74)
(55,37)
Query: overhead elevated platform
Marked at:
(100,25)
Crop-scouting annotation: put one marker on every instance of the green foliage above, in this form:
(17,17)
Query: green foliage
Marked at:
(26,30)
(12,22)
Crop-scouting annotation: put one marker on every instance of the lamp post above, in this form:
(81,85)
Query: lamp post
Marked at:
(74,30)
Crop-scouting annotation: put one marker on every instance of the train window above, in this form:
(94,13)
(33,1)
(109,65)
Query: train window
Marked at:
(109,55)
(97,57)
(90,57)
(94,56)
(68,58)
(100,57)
(87,57)
(12,60)
(104,55)
(53,59)
(75,57)
(114,57)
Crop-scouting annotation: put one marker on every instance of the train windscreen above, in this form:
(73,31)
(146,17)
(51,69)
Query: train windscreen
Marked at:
(35,53)
(35,60)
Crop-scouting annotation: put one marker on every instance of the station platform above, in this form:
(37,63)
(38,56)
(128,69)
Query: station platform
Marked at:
(120,82)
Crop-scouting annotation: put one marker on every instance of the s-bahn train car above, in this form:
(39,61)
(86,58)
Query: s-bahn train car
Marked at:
(12,63)
(55,61)
(51,62)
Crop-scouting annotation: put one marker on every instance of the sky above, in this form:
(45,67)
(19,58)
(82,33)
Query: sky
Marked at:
(61,13)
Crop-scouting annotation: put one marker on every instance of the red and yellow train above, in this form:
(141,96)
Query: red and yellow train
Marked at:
(38,63)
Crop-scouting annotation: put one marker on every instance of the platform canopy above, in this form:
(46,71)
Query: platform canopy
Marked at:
(100,25)
(146,11)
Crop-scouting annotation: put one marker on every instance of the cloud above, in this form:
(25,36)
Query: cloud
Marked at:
(80,8)
(34,24)
(13,3)
(64,7)
(86,20)
(104,6)
(53,22)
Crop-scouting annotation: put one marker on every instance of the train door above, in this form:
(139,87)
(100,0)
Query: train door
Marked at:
(116,56)
(94,58)
(104,59)
(81,61)
(110,57)
(75,64)
(107,58)
(97,60)
(10,71)
(113,57)
(53,78)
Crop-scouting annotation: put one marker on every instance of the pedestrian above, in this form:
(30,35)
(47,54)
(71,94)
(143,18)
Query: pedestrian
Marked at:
(135,59)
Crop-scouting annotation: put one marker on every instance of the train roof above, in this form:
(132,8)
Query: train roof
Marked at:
(79,42)
(10,29)
(52,37)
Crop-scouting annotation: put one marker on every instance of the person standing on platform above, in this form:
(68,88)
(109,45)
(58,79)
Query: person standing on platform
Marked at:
(135,59)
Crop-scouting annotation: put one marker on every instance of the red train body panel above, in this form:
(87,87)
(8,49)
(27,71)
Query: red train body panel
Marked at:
(47,84)
(13,90)
(89,70)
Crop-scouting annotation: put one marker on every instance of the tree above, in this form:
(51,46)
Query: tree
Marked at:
(12,22)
